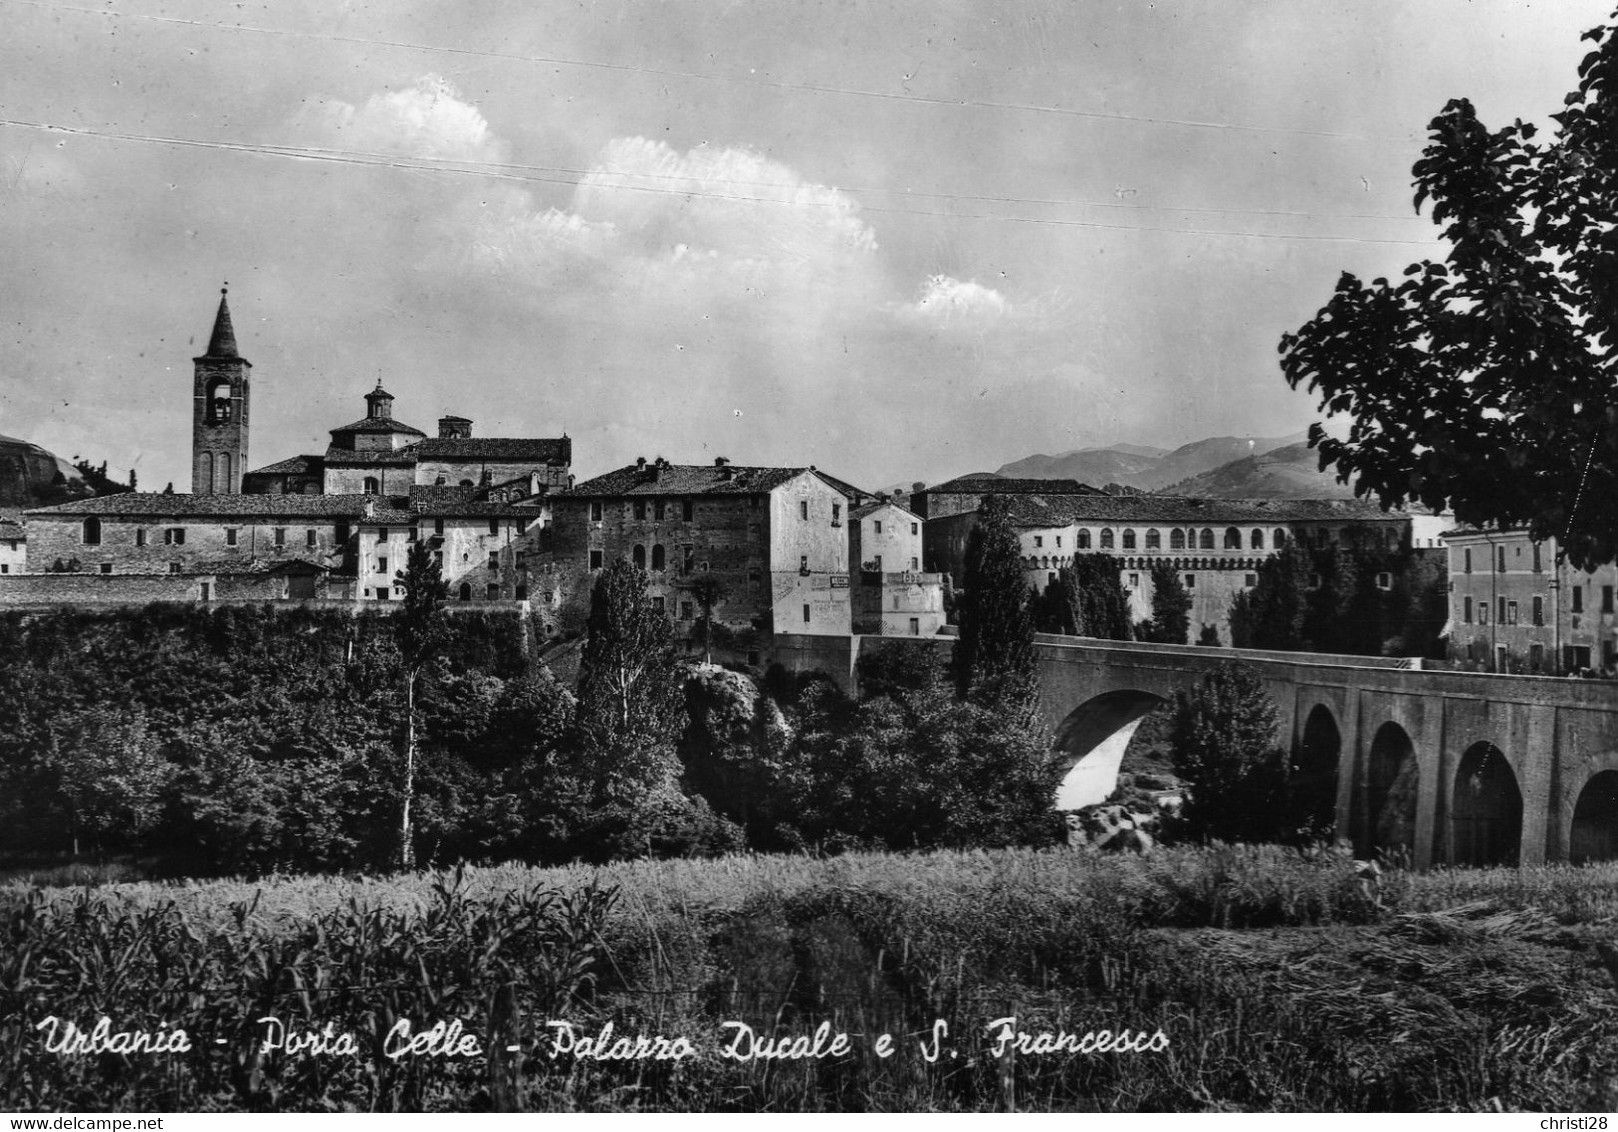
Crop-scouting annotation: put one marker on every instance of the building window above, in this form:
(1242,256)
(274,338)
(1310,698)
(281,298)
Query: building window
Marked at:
(1207,542)
(372,485)
(1500,560)
(1249,580)
(106,567)
(1511,613)
(659,604)
(803,563)
(522,593)
(806,615)
(595,511)
(382,534)
(1233,539)
(1384,581)
(1039,541)
(1190,581)
(1280,539)
(1483,613)
(876,525)
(1537,567)
(522,526)
(494,560)
(1154,539)
(311,538)
(915,626)
(657,556)
(466,591)
(876,564)
(1257,540)
(494,526)
(174,567)
(688,559)
(1578,599)
(1176,539)
(1539,610)
(595,560)
(174,536)
(91,532)
(1129,539)
(280,536)
(638,556)
(1106,538)
(381,565)
(140,537)
(686,508)
(755,579)
(657,510)
(1083,540)
(836,514)
(803,512)
(1536,658)
(640,509)
(492,591)
(1606,599)
(1466,561)
(915,564)
(1466,611)
(915,528)
(686,611)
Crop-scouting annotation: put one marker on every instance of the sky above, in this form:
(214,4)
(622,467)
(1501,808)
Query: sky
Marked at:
(900,241)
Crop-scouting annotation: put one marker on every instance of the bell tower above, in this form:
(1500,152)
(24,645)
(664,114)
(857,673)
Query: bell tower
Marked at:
(219,411)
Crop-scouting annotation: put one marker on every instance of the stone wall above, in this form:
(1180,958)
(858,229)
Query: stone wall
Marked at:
(62,537)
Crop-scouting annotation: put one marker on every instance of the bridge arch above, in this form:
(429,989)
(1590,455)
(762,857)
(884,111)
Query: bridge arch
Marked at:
(1392,784)
(1486,811)
(1594,835)
(1312,774)
(1090,743)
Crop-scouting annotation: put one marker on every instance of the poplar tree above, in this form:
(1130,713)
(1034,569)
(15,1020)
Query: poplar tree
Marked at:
(420,633)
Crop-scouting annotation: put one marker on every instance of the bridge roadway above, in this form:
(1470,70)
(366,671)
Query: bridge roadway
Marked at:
(1453,767)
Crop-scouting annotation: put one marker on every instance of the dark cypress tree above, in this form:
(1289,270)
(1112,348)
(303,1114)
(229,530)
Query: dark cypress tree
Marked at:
(994,656)
(1224,746)
(420,632)
(1171,606)
(1273,614)
(1101,607)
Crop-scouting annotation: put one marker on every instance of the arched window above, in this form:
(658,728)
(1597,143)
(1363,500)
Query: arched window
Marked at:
(1233,539)
(1207,542)
(466,591)
(1084,539)
(372,485)
(1129,538)
(1106,538)
(92,531)
(441,481)
(638,556)
(1280,538)
(1258,539)
(1154,539)
(1176,539)
(657,556)
(219,403)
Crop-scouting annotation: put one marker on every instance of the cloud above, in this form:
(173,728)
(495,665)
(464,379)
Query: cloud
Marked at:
(428,119)
(946,299)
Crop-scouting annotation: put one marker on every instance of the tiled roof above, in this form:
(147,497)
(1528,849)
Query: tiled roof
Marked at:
(297,465)
(543,450)
(179,506)
(343,457)
(379,424)
(692,479)
(1000,485)
(1038,511)
(869,508)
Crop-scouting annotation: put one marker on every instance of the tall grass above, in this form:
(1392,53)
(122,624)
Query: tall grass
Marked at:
(1282,981)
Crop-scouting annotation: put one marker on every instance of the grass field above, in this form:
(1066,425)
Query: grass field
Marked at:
(1278,980)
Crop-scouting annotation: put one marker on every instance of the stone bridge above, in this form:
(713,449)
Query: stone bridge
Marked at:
(1453,767)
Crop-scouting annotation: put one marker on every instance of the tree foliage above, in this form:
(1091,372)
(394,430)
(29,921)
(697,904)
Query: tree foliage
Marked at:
(1488,383)
(1171,607)
(1223,738)
(994,655)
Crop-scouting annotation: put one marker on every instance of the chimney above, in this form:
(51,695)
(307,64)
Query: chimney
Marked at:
(640,463)
(454,428)
(486,479)
(917,487)
(720,461)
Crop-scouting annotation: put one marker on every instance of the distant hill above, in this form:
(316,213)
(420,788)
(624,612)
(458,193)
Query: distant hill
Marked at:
(1285,473)
(1140,466)
(32,477)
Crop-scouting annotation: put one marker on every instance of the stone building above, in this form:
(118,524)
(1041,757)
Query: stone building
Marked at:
(1515,606)
(1216,545)
(892,595)
(13,542)
(774,539)
(347,515)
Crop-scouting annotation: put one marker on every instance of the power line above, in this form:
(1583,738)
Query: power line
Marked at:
(698,76)
(342,157)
